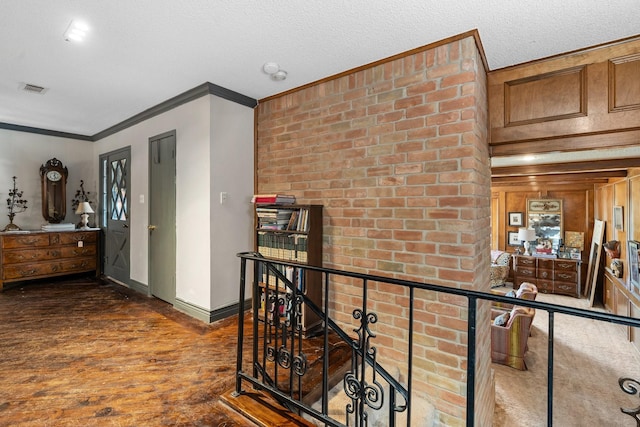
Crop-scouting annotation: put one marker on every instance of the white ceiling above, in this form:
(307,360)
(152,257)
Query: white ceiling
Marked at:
(143,52)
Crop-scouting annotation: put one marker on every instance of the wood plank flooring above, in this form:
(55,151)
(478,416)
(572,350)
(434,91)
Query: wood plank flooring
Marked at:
(88,353)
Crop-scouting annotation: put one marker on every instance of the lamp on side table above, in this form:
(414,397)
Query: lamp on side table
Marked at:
(526,235)
(84,209)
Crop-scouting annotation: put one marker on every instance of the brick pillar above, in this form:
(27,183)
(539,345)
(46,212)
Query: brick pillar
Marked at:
(397,153)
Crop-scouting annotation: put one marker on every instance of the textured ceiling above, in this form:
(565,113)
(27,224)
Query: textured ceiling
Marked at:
(141,53)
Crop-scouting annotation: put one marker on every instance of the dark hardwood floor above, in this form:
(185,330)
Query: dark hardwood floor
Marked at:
(87,353)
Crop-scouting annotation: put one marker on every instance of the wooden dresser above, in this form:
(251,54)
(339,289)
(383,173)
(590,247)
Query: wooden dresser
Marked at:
(40,254)
(550,275)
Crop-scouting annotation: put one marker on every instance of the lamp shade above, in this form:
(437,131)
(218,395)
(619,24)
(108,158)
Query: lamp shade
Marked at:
(526,234)
(84,207)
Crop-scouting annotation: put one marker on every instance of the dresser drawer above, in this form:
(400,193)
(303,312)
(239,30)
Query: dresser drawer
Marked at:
(23,271)
(525,262)
(545,286)
(566,276)
(526,271)
(545,274)
(25,241)
(566,288)
(566,265)
(77,236)
(546,264)
(28,255)
(75,251)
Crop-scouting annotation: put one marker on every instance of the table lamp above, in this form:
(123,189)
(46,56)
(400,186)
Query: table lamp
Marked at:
(526,235)
(84,209)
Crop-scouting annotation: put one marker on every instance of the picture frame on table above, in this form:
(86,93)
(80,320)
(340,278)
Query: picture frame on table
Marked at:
(512,239)
(516,219)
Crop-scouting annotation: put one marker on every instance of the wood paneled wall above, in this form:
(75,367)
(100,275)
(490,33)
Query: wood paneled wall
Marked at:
(584,100)
(577,212)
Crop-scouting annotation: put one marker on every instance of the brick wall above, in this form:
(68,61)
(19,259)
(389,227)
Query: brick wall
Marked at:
(397,153)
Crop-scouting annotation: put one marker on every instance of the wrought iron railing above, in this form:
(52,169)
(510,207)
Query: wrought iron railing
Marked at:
(279,361)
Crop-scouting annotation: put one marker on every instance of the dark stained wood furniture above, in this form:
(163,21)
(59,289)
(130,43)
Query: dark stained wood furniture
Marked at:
(40,254)
(550,275)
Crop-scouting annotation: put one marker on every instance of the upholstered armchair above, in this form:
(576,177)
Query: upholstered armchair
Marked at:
(499,268)
(509,342)
(527,291)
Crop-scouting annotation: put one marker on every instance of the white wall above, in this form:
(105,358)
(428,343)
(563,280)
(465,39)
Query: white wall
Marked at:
(207,233)
(22,154)
(214,140)
(191,122)
(232,171)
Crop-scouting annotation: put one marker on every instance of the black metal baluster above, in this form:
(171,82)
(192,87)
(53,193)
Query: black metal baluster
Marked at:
(550,371)
(471,361)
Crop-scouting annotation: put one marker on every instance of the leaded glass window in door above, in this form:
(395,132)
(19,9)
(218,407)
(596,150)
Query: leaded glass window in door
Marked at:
(119,209)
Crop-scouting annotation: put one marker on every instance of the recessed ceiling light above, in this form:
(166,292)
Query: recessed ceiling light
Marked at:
(76,31)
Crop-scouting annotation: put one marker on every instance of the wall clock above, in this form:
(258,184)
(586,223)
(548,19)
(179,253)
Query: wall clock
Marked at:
(54,190)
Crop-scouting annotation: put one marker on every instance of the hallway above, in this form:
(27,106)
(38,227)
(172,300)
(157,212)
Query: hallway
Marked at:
(81,353)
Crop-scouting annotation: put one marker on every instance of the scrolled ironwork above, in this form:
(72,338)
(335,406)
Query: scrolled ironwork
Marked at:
(271,353)
(632,387)
(284,357)
(362,392)
(300,364)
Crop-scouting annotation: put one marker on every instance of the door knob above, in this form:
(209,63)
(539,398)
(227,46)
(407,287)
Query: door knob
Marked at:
(151,227)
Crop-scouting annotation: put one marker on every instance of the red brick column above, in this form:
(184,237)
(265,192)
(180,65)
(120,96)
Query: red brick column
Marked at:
(397,153)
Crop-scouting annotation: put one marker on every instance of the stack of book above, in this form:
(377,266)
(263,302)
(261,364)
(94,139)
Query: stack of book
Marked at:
(59,227)
(273,218)
(273,199)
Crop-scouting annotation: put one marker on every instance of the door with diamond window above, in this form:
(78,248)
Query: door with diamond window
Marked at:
(115,214)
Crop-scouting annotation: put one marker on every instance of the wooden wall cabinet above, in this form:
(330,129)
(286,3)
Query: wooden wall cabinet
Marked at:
(618,299)
(550,275)
(40,254)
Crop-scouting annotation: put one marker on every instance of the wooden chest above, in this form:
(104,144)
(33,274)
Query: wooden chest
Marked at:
(40,254)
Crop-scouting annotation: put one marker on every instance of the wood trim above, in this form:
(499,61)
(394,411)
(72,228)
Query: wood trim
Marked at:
(578,53)
(208,316)
(472,33)
(610,165)
(590,141)
(47,132)
(190,95)
(591,177)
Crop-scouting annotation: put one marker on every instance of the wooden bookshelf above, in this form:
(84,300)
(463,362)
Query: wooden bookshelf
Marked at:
(291,233)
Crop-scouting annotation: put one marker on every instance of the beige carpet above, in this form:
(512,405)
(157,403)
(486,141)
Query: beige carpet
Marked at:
(590,356)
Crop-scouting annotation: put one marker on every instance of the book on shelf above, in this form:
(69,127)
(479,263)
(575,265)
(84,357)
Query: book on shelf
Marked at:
(288,247)
(273,218)
(273,199)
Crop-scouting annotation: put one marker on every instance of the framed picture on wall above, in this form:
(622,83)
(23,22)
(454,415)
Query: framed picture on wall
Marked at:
(512,239)
(634,263)
(618,218)
(545,217)
(515,219)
